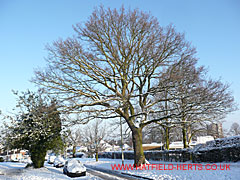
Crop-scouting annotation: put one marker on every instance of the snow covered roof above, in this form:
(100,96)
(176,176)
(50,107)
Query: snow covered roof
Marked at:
(176,145)
(153,144)
(125,146)
(204,139)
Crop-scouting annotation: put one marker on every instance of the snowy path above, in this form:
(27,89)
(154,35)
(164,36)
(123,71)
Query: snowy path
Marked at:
(11,169)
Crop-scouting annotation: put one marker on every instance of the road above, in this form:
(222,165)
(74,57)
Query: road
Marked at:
(16,171)
(108,174)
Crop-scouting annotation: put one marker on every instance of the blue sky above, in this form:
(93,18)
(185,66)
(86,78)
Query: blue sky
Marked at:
(27,26)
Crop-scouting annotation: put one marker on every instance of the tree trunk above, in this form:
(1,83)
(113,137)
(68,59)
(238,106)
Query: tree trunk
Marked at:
(38,157)
(189,136)
(74,151)
(184,134)
(189,140)
(97,154)
(167,138)
(139,157)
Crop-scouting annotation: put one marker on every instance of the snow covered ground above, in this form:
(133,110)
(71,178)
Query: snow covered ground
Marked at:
(230,174)
(16,171)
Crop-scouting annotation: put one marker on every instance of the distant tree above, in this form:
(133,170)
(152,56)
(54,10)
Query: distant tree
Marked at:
(3,139)
(36,127)
(193,97)
(94,135)
(74,138)
(195,129)
(234,130)
(153,133)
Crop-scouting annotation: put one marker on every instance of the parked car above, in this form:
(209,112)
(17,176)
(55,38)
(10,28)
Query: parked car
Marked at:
(59,162)
(51,159)
(74,168)
(79,154)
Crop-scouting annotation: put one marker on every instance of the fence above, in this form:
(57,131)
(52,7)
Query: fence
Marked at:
(171,155)
(214,154)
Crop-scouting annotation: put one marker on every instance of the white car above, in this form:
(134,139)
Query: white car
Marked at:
(51,159)
(74,168)
(59,162)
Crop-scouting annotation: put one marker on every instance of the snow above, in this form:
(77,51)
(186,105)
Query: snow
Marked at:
(232,174)
(5,166)
(74,166)
(220,143)
(58,161)
(153,144)
(204,139)
(51,158)
(16,171)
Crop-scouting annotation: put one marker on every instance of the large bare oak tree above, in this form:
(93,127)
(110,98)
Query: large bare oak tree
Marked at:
(111,68)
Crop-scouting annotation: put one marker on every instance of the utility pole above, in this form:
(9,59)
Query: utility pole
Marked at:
(121,141)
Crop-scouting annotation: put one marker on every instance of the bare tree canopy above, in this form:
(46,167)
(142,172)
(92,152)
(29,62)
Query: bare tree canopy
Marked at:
(94,135)
(111,68)
(234,130)
(194,98)
(113,62)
